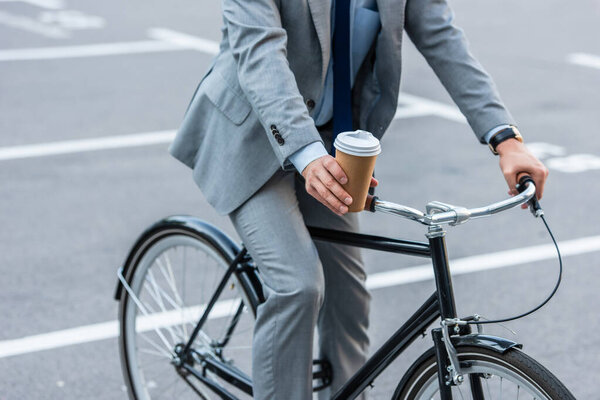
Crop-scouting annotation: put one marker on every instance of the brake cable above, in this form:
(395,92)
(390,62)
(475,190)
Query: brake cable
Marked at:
(537,211)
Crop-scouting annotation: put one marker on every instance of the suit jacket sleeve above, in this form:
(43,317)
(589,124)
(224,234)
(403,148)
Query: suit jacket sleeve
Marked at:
(258,42)
(429,24)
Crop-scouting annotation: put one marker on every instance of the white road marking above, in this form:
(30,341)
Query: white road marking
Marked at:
(107,330)
(584,60)
(544,150)
(569,164)
(50,4)
(90,50)
(165,40)
(31,25)
(82,145)
(557,159)
(72,19)
(574,163)
(484,262)
(418,106)
(184,40)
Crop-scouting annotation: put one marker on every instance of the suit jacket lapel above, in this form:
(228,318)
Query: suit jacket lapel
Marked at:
(321,15)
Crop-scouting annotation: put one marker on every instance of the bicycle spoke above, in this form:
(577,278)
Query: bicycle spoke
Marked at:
(183,281)
(488,388)
(156,346)
(154,353)
(154,361)
(169,277)
(177,303)
(160,293)
(167,273)
(172,334)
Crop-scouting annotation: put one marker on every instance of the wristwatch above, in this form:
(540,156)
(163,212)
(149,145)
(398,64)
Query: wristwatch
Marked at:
(508,133)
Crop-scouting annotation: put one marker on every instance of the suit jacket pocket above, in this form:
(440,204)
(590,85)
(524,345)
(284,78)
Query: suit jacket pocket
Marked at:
(231,103)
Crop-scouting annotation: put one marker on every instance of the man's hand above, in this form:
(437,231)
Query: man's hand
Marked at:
(324,179)
(516,160)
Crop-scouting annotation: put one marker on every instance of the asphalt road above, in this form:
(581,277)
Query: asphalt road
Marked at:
(69,219)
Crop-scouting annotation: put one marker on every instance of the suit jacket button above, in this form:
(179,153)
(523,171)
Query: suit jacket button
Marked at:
(275,132)
(279,139)
(310,103)
(273,128)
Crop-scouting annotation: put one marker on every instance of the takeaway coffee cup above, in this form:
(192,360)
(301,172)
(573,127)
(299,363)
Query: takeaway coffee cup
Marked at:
(356,153)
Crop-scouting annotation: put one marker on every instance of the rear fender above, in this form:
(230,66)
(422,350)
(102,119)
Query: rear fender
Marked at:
(213,235)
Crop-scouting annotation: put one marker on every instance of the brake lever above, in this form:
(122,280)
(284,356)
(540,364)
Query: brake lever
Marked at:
(534,204)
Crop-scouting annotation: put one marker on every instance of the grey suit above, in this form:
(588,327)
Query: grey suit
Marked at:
(253,109)
(272,61)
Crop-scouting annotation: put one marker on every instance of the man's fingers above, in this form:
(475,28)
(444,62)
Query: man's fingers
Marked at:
(540,181)
(314,193)
(334,169)
(511,178)
(331,200)
(374,182)
(516,161)
(334,187)
(539,177)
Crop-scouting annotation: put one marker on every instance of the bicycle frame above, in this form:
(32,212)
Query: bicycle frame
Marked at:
(440,304)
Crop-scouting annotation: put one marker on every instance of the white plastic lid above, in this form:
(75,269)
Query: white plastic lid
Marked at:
(358,143)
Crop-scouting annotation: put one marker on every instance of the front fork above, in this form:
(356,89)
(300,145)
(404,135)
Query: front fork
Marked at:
(442,364)
(449,371)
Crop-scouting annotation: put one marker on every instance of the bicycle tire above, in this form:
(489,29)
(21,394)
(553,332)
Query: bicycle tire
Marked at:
(514,366)
(207,274)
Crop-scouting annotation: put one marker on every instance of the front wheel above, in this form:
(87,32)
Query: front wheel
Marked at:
(487,375)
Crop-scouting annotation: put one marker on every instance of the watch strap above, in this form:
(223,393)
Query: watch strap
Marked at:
(505,134)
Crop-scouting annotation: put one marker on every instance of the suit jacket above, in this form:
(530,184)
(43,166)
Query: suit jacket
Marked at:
(253,108)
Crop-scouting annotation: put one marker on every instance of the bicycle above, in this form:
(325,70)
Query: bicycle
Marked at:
(200,340)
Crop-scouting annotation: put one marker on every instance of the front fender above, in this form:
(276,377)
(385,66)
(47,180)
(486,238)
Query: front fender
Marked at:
(495,343)
(227,246)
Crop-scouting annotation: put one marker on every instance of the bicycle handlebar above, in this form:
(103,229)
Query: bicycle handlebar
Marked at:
(439,213)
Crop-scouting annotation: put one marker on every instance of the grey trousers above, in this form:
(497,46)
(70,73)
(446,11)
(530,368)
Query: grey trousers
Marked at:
(307,284)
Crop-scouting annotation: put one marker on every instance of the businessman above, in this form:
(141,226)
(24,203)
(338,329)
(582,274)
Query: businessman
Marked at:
(289,76)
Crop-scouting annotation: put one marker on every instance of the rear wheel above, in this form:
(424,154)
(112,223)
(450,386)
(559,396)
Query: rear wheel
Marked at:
(172,278)
(487,375)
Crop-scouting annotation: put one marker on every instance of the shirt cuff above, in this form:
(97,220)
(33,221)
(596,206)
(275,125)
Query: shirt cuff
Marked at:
(307,154)
(493,131)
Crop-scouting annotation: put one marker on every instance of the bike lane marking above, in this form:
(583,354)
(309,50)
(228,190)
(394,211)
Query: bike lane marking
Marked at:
(31,25)
(415,107)
(555,156)
(162,40)
(83,145)
(90,50)
(460,266)
(584,60)
(50,4)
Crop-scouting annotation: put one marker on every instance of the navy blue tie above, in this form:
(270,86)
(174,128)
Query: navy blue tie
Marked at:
(342,106)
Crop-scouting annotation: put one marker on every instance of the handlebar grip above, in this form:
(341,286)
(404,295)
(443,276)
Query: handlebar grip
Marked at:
(370,203)
(534,204)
